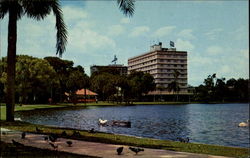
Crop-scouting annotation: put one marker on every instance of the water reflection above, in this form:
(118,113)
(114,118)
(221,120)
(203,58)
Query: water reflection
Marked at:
(203,123)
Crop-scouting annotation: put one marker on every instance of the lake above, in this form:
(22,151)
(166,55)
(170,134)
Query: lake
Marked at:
(202,123)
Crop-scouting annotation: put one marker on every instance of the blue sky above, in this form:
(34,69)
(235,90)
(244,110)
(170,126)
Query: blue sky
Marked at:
(215,34)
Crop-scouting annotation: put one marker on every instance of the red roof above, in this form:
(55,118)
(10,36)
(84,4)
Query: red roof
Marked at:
(82,92)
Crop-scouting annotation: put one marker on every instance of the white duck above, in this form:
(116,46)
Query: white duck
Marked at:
(102,122)
(244,124)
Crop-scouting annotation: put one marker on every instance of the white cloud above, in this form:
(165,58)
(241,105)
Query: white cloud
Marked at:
(137,31)
(163,31)
(85,40)
(71,14)
(212,34)
(186,33)
(125,20)
(184,45)
(214,50)
(116,30)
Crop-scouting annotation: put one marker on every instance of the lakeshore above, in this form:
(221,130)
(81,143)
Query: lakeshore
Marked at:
(120,139)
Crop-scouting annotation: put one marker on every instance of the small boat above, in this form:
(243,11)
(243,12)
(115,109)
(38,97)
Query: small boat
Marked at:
(121,123)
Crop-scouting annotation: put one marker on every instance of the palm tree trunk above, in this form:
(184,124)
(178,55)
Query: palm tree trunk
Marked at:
(11,65)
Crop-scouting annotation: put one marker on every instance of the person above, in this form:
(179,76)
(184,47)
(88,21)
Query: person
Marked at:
(50,100)
(96,100)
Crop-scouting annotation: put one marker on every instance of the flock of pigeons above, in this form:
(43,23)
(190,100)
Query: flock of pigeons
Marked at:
(52,138)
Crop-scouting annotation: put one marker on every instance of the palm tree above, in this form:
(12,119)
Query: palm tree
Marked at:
(174,85)
(36,9)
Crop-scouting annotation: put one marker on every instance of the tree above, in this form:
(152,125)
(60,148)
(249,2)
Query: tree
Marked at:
(62,68)
(37,10)
(34,78)
(141,83)
(174,85)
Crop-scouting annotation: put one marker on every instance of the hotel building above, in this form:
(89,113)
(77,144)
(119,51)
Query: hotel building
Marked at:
(161,63)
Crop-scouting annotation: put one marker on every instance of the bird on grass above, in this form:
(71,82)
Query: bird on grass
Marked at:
(69,143)
(119,150)
(76,134)
(64,134)
(17,144)
(38,130)
(53,146)
(23,135)
(92,130)
(183,140)
(136,150)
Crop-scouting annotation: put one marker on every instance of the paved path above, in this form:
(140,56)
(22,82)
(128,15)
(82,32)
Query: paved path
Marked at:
(93,149)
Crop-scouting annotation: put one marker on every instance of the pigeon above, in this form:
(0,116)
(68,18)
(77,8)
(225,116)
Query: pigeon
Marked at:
(17,144)
(54,146)
(52,137)
(64,134)
(92,130)
(23,135)
(39,130)
(46,138)
(136,150)
(69,142)
(183,140)
(119,150)
(76,134)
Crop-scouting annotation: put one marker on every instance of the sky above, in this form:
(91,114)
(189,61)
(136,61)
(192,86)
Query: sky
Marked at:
(214,33)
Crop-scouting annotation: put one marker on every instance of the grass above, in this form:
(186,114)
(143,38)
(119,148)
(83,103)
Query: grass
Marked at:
(9,150)
(133,141)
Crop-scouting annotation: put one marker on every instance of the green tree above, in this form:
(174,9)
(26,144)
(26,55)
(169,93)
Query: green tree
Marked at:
(141,83)
(174,85)
(34,77)
(62,68)
(37,10)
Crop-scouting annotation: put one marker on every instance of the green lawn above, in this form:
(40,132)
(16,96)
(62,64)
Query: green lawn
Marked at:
(133,141)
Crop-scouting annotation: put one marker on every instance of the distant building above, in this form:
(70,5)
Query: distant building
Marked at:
(121,69)
(161,63)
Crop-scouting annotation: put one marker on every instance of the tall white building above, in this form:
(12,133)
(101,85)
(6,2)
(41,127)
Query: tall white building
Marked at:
(161,63)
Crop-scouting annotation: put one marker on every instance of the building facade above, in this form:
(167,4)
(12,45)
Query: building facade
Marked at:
(162,64)
(121,69)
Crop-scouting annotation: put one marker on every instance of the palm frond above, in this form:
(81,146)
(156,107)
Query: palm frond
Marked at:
(10,5)
(61,29)
(126,6)
(4,7)
(37,9)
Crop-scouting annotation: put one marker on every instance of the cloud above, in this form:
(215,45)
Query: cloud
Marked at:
(186,33)
(140,30)
(214,50)
(163,31)
(184,45)
(116,30)
(71,13)
(125,20)
(85,40)
(212,34)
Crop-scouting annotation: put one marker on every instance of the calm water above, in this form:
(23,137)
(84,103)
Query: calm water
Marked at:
(202,123)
